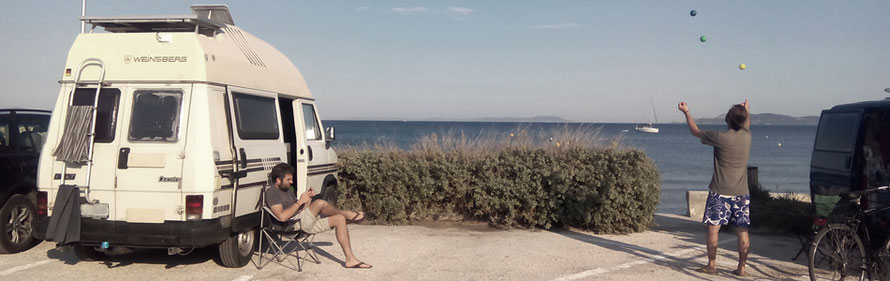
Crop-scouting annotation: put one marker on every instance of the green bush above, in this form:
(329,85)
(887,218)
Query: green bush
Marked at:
(573,180)
(782,215)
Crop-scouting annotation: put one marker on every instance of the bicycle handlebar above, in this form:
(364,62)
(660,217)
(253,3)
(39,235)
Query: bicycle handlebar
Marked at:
(860,193)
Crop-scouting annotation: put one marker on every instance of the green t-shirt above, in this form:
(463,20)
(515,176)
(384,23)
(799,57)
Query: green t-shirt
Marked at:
(731,149)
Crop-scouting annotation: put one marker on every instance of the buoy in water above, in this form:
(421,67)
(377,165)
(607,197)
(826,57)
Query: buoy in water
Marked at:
(693,13)
(780,144)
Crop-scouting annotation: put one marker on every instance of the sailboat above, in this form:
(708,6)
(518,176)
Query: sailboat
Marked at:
(648,128)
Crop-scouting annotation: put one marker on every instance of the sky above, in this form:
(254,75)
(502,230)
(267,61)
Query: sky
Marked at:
(585,61)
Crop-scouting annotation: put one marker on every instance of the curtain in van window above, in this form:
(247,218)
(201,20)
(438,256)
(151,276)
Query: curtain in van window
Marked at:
(74,147)
(106,112)
(155,116)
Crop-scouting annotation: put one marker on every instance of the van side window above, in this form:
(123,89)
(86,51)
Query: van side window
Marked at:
(257,117)
(876,149)
(106,112)
(312,132)
(155,116)
(837,132)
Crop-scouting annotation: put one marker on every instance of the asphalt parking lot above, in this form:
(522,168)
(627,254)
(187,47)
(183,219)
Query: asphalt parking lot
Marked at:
(441,251)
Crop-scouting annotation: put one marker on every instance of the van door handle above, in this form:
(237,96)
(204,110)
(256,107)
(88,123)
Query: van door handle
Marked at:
(123,157)
(847,163)
(243,158)
(310,152)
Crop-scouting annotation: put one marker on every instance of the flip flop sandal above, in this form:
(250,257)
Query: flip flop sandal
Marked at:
(357,214)
(359,266)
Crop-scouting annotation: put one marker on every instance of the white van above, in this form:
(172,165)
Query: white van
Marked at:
(192,113)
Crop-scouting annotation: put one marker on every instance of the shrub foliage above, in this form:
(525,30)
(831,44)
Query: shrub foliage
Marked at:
(573,181)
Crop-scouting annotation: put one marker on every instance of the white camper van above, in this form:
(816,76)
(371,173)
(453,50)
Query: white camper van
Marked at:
(191,113)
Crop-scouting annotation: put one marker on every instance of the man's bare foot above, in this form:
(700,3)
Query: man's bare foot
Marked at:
(740,272)
(708,270)
(358,264)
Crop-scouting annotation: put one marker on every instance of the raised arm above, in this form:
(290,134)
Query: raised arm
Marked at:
(747,122)
(689,121)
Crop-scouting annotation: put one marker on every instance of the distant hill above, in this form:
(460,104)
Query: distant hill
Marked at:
(536,119)
(767,119)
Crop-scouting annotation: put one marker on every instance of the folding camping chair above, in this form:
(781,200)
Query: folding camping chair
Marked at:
(283,239)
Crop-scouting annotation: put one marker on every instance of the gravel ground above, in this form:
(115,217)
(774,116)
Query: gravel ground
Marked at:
(447,251)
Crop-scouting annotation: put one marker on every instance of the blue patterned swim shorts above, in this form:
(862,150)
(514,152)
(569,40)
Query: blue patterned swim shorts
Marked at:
(722,210)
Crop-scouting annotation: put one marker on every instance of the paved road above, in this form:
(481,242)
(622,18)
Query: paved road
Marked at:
(672,251)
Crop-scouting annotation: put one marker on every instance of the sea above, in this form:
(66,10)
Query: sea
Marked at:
(781,153)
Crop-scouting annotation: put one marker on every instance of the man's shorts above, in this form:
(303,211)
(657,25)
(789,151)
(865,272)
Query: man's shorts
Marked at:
(311,223)
(722,210)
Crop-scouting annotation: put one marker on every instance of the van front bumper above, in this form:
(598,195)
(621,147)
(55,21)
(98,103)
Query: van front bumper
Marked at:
(167,234)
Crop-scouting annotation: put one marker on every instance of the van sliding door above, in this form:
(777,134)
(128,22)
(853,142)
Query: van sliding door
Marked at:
(258,141)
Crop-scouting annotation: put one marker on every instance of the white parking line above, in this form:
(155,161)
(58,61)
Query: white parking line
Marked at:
(23,267)
(243,278)
(651,258)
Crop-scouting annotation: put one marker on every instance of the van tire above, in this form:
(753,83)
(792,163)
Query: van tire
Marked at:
(21,236)
(87,253)
(237,250)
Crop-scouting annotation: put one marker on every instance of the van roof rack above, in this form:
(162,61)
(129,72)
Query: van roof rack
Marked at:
(153,24)
(206,17)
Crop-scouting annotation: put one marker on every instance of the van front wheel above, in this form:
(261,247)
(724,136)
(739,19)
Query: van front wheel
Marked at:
(237,249)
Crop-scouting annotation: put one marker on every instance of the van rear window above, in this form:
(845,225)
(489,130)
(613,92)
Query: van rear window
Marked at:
(106,112)
(155,116)
(257,117)
(837,132)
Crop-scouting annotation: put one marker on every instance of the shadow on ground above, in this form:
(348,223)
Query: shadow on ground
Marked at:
(126,257)
(143,256)
(761,260)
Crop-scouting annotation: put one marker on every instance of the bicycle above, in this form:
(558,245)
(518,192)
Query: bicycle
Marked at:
(843,250)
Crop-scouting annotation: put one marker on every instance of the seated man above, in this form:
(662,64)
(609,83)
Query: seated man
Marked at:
(285,205)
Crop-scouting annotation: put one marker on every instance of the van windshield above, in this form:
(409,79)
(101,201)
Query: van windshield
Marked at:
(837,131)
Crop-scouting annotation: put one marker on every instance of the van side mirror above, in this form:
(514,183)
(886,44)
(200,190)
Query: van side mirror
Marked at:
(329,133)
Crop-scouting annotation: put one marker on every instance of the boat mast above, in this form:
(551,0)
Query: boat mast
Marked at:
(652,102)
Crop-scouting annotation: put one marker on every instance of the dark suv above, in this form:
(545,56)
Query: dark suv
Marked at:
(22,134)
(852,152)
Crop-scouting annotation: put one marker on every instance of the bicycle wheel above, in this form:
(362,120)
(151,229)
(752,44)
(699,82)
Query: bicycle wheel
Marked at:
(837,254)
